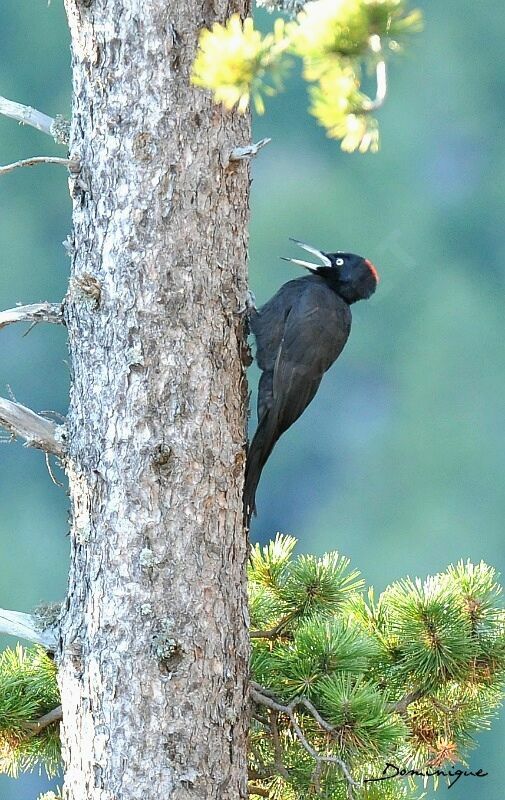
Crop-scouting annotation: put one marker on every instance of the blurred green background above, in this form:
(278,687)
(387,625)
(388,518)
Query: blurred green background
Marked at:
(398,462)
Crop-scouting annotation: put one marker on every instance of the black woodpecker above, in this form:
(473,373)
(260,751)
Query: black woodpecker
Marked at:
(299,333)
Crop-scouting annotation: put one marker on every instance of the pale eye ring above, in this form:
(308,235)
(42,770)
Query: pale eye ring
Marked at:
(339,262)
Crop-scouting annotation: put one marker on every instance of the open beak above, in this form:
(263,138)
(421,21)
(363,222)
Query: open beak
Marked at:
(325,261)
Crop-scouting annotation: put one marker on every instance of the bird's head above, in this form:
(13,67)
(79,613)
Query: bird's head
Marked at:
(352,277)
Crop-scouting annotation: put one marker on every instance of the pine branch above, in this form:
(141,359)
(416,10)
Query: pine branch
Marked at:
(29,700)
(381,76)
(259,696)
(401,705)
(34,313)
(290,6)
(249,151)
(37,431)
(437,646)
(275,632)
(57,128)
(279,766)
(258,791)
(56,715)
(72,164)
(26,626)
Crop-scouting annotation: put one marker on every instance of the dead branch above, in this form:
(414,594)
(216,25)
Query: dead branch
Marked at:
(35,430)
(25,626)
(56,128)
(34,313)
(380,74)
(72,164)
(249,151)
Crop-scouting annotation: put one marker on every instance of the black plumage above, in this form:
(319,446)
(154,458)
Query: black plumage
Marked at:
(299,333)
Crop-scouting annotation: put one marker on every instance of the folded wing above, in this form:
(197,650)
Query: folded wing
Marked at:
(309,332)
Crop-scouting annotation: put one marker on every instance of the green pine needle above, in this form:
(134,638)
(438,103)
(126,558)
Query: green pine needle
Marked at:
(433,632)
(409,678)
(267,564)
(28,690)
(360,713)
(318,585)
(320,648)
(478,590)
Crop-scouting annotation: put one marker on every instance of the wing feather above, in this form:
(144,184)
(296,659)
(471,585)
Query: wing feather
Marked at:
(315,332)
(299,334)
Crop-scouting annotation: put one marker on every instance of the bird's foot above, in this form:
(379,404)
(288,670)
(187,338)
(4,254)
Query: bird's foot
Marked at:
(249,304)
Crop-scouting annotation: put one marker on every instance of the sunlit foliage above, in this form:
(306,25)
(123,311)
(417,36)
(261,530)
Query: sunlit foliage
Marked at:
(335,39)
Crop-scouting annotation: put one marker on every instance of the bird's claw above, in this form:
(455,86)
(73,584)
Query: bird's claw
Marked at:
(249,304)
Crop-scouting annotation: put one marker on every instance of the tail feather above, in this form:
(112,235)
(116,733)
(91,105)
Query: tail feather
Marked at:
(260,448)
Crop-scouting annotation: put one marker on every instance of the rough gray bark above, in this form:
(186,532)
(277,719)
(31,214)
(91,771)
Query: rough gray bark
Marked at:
(154,652)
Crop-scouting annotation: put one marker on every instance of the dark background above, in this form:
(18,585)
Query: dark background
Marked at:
(398,463)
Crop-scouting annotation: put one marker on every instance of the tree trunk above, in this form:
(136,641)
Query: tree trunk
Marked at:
(154,654)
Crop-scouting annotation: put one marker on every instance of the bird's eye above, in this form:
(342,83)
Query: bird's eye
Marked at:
(339,262)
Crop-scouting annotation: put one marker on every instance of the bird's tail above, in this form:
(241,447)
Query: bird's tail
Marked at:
(257,456)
